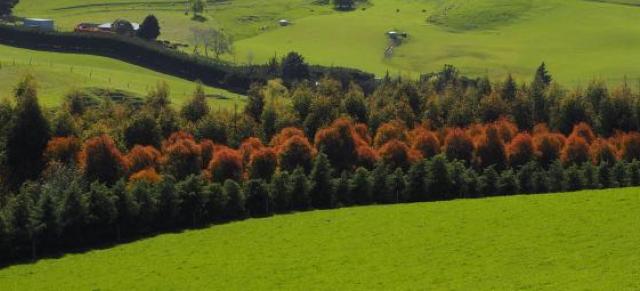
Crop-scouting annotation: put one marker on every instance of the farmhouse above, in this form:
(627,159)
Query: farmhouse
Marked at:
(39,24)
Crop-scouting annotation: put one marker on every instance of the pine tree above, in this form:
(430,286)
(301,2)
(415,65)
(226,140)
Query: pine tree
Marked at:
(259,202)
(397,186)
(341,186)
(27,136)
(360,187)
(438,178)
(300,199)
(236,206)
(509,89)
(488,182)
(379,190)
(321,192)
(507,183)
(280,191)
(416,189)
(542,75)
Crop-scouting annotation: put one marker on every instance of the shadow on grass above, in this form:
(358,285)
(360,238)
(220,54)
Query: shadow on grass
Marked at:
(199,18)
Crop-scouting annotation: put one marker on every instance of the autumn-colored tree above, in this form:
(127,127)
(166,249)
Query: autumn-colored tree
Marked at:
(102,161)
(338,142)
(181,156)
(521,150)
(602,152)
(362,130)
(389,131)
(491,150)
(296,152)
(148,175)
(459,146)
(396,154)
(284,135)
(507,129)
(426,143)
(548,147)
(63,149)
(631,146)
(263,164)
(143,157)
(207,148)
(248,147)
(226,164)
(575,151)
(584,131)
(367,157)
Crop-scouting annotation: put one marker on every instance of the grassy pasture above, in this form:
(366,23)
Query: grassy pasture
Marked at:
(573,241)
(579,39)
(57,73)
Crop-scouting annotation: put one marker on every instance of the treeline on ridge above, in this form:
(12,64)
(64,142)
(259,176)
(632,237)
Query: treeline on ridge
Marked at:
(81,175)
(215,73)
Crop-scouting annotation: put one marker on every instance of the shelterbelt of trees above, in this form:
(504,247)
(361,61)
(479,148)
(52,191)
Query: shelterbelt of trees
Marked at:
(82,176)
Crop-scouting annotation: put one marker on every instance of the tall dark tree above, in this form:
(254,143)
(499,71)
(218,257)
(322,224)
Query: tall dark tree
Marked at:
(321,192)
(197,107)
(143,130)
(509,89)
(360,186)
(150,28)
(300,199)
(259,202)
(6,6)
(294,68)
(27,136)
(416,184)
(542,75)
(255,102)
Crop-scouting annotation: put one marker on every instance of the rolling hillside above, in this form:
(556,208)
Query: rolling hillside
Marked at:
(579,39)
(577,241)
(57,73)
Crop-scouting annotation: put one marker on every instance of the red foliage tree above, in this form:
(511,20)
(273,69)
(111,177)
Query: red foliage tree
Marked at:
(226,164)
(207,148)
(181,156)
(362,130)
(575,151)
(102,161)
(263,163)
(459,146)
(548,146)
(506,129)
(425,142)
(63,149)
(390,131)
(490,149)
(249,146)
(339,143)
(631,146)
(584,131)
(284,135)
(397,154)
(143,157)
(521,150)
(602,151)
(367,157)
(148,175)
(296,152)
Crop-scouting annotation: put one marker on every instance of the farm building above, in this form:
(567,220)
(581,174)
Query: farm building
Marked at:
(118,26)
(39,24)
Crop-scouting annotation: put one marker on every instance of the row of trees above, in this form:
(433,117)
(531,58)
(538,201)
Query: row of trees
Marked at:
(87,174)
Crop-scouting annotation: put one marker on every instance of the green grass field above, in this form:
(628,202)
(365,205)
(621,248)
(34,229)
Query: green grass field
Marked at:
(58,73)
(579,39)
(580,241)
